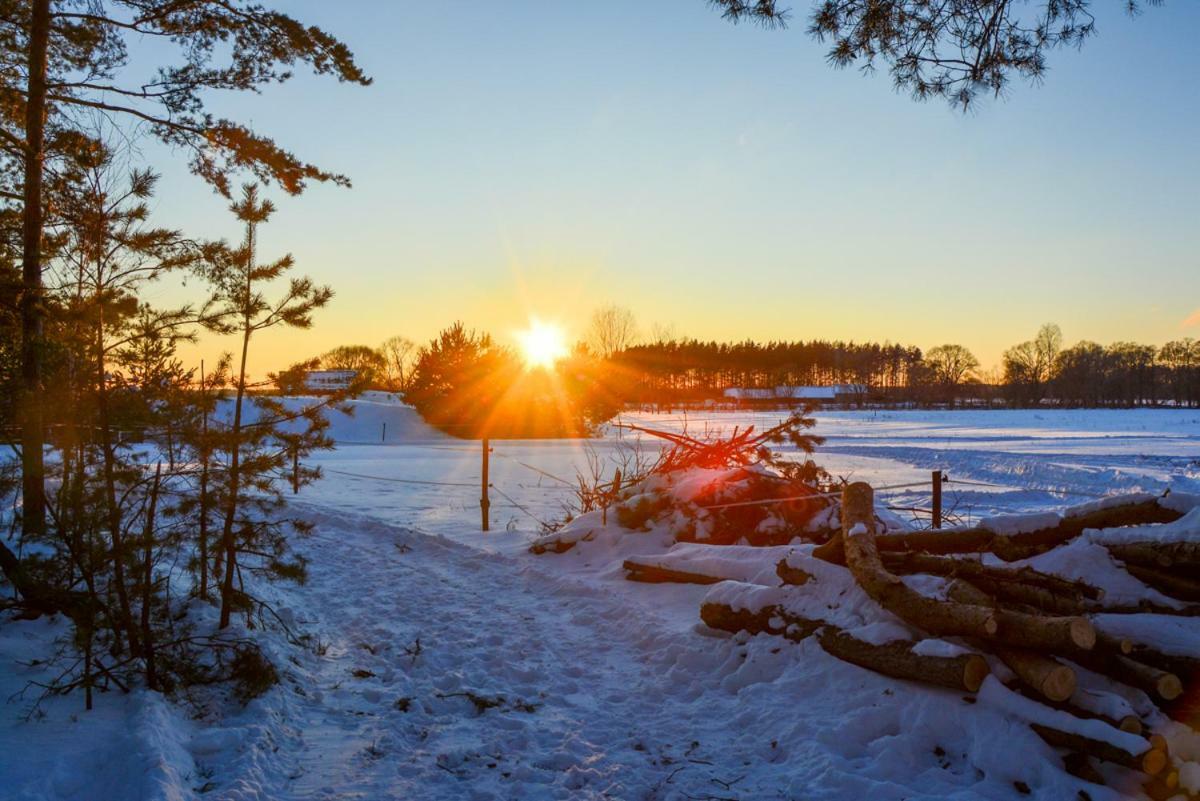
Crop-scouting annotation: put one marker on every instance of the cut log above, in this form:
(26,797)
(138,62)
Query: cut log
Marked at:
(897,659)
(1163,555)
(980,538)
(1156,683)
(1151,761)
(656,574)
(972,569)
(1179,587)
(1187,668)
(1048,677)
(768,620)
(1130,724)
(945,618)
(1164,787)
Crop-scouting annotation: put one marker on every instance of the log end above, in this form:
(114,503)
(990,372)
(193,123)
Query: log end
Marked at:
(1153,762)
(990,626)
(975,670)
(1159,743)
(1059,683)
(1169,687)
(1131,724)
(1083,633)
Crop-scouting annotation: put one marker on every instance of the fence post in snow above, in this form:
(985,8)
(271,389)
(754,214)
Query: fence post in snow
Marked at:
(937,498)
(295,471)
(383,433)
(484,503)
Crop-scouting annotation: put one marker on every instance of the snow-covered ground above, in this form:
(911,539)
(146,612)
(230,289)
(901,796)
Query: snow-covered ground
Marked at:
(454,664)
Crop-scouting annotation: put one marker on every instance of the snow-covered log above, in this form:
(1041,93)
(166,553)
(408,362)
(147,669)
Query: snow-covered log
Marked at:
(899,659)
(1151,761)
(973,570)
(1017,536)
(1166,582)
(636,570)
(767,620)
(1163,555)
(1157,683)
(1047,676)
(940,617)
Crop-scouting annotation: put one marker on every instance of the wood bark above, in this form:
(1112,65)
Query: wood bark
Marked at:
(979,539)
(725,618)
(1151,761)
(1176,586)
(971,569)
(945,618)
(1050,678)
(895,659)
(656,574)
(33,308)
(1161,555)
(898,660)
(1156,683)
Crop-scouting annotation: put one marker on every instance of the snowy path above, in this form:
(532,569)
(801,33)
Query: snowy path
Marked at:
(604,697)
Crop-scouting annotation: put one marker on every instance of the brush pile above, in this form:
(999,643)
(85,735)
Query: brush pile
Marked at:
(715,490)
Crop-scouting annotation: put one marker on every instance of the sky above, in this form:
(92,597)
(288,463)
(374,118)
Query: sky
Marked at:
(540,159)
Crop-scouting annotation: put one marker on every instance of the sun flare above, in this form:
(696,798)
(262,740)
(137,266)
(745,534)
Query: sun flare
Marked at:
(542,344)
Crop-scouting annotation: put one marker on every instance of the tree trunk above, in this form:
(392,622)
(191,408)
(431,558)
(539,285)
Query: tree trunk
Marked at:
(33,469)
(148,581)
(228,543)
(113,510)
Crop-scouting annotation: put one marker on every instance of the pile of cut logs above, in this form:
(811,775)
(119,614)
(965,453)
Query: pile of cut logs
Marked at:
(1035,623)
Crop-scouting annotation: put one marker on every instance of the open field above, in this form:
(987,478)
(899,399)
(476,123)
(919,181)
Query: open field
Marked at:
(451,664)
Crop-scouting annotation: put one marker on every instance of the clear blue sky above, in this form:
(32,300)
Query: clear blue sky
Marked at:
(544,158)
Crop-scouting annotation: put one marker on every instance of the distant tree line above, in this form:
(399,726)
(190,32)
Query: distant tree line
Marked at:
(468,384)
(1036,372)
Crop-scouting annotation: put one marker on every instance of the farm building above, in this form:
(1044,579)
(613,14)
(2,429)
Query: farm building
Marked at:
(832,394)
(328,380)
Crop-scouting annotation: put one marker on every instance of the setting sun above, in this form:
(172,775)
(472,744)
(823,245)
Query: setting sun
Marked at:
(542,344)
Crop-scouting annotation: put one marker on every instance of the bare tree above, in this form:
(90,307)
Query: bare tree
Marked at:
(951,366)
(1028,366)
(400,357)
(612,330)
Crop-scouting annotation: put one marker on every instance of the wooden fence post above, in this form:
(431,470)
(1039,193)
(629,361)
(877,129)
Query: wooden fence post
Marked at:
(937,498)
(383,433)
(484,503)
(295,471)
